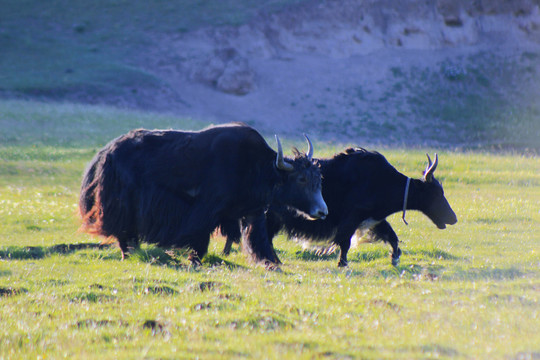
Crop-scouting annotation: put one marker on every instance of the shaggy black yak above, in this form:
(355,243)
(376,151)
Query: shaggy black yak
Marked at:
(173,188)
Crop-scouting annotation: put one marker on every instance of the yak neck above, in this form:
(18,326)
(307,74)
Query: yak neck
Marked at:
(392,194)
(413,202)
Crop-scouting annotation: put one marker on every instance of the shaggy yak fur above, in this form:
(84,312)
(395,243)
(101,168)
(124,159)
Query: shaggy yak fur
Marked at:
(173,188)
(361,189)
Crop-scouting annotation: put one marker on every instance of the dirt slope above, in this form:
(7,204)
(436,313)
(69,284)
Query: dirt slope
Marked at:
(444,73)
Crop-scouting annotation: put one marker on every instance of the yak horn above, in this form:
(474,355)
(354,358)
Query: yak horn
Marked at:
(309,153)
(280,162)
(430,169)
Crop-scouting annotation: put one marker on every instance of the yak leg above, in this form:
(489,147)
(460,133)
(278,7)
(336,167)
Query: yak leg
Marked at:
(123,248)
(384,231)
(256,242)
(199,247)
(231,230)
(228,246)
(344,246)
(273,225)
(343,240)
(195,231)
(124,241)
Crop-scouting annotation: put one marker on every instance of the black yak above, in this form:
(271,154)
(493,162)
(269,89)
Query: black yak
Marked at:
(173,188)
(361,189)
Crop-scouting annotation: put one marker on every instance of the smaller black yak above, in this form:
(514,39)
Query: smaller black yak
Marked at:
(361,189)
(173,188)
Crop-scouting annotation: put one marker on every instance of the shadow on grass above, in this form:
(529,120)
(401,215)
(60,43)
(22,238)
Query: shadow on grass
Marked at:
(370,255)
(156,256)
(149,254)
(363,254)
(215,261)
(39,252)
(177,258)
(314,255)
(357,256)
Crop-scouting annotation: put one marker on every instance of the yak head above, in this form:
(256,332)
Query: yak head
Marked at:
(301,188)
(431,198)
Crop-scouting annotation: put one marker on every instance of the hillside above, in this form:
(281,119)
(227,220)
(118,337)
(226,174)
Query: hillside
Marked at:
(453,74)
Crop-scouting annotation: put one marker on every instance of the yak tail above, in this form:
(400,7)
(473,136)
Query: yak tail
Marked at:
(92,218)
(90,206)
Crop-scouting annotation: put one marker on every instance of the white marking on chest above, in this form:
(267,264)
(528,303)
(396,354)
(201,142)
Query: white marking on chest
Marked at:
(362,230)
(368,224)
(325,245)
(319,246)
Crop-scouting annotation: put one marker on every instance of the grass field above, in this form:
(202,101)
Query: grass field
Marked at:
(468,292)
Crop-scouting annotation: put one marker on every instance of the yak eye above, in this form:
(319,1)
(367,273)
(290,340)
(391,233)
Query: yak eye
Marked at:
(302,180)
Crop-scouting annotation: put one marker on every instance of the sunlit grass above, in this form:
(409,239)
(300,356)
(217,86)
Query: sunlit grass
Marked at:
(468,292)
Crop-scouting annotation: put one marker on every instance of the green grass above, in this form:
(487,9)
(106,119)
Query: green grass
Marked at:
(468,292)
(72,125)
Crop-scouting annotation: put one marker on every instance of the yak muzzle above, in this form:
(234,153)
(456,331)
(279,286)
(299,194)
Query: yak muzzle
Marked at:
(320,211)
(320,215)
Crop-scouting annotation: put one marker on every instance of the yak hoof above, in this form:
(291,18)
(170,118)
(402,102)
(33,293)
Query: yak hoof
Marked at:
(270,266)
(125,254)
(195,260)
(343,263)
(396,257)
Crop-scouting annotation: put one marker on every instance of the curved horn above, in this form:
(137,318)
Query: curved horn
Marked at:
(309,153)
(280,162)
(429,162)
(430,169)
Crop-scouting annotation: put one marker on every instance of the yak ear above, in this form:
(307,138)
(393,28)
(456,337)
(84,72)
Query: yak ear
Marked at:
(430,169)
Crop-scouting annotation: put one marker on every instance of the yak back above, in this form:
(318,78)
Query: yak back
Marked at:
(358,179)
(189,164)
